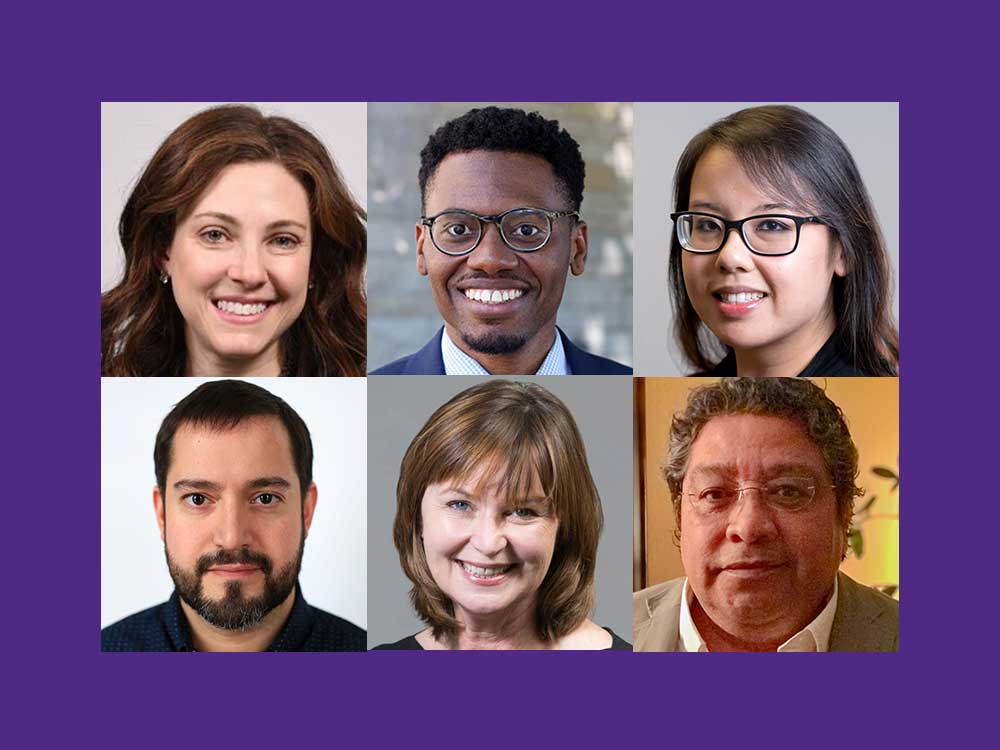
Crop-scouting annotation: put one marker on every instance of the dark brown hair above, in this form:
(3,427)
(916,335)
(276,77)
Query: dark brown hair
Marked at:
(224,404)
(522,432)
(142,330)
(795,399)
(795,157)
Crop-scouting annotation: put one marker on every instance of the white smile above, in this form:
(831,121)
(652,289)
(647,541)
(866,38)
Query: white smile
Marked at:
(238,308)
(742,297)
(491,572)
(493,296)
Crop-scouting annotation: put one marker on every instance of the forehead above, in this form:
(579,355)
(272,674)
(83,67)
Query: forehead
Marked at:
(489,182)
(263,190)
(749,444)
(256,447)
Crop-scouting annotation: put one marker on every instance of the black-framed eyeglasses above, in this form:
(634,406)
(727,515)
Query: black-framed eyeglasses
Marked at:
(765,234)
(523,230)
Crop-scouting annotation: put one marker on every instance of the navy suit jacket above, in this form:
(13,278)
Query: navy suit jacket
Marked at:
(428,361)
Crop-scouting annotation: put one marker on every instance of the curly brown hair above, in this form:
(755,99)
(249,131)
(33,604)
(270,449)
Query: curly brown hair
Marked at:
(522,432)
(142,330)
(796,399)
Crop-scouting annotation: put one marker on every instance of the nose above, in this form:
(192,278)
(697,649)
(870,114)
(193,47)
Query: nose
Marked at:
(488,536)
(492,255)
(232,527)
(734,256)
(247,266)
(750,520)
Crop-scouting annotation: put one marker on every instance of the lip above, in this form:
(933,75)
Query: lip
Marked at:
(752,568)
(737,310)
(234,571)
(492,309)
(242,319)
(487,582)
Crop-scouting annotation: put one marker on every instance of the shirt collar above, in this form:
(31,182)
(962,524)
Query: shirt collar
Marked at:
(813,637)
(457,362)
(290,638)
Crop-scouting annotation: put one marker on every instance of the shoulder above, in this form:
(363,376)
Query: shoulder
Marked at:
(404,644)
(656,616)
(584,363)
(143,631)
(332,633)
(866,619)
(646,602)
(427,361)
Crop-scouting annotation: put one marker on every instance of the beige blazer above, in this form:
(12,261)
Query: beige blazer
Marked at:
(866,620)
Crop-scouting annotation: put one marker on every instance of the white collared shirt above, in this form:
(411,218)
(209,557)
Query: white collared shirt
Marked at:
(457,362)
(813,637)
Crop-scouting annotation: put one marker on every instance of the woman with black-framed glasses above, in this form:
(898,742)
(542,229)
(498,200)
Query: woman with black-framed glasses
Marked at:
(777,251)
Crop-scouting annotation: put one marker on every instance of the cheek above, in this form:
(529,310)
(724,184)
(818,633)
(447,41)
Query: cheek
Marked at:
(291,277)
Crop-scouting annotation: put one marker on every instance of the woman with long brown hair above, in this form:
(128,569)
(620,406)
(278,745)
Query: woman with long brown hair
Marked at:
(244,255)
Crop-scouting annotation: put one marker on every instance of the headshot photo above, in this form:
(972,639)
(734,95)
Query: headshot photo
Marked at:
(233,239)
(497,514)
(766,515)
(767,239)
(501,239)
(224,505)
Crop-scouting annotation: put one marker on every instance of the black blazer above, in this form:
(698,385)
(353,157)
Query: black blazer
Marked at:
(428,361)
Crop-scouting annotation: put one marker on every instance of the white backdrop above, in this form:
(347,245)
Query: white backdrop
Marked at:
(133,567)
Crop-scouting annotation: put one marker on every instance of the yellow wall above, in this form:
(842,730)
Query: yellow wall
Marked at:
(871,406)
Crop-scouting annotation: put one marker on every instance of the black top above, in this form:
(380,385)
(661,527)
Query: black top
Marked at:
(165,628)
(832,360)
(410,644)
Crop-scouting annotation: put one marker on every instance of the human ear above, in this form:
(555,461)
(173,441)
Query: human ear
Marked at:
(421,260)
(158,507)
(308,508)
(578,249)
(839,263)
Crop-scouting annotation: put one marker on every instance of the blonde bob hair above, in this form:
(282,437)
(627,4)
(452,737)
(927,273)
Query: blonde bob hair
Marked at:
(521,432)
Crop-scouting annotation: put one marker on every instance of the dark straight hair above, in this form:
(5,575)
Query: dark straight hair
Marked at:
(224,404)
(793,156)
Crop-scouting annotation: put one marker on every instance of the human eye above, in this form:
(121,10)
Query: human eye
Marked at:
(772,224)
(704,224)
(458,229)
(213,236)
(790,492)
(266,499)
(716,496)
(527,230)
(459,505)
(195,500)
(286,242)
(524,513)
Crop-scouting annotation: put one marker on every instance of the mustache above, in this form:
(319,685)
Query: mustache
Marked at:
(242,556)
(472,275)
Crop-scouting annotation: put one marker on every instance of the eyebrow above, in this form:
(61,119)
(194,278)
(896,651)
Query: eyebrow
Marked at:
(778,469)
(207,485)
(235,222)
(756,210)
(470,494)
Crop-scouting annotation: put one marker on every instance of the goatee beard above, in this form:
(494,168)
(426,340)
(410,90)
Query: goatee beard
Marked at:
(495,343)
(235,611)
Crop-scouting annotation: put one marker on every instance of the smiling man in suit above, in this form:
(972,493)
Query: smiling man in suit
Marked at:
(500,232)
(761,474)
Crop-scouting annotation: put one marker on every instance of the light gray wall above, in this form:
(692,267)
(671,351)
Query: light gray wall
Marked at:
(398,406)
(662,130)
(596,310)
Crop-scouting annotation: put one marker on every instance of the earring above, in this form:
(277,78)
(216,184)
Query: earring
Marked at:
(312,284)
(163,277)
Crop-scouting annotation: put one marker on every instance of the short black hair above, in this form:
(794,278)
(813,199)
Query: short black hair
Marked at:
(224,404)
(507,129)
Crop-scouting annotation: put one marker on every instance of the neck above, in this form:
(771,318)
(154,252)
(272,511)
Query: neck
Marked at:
(207,637)
(720,639)
(510,630)
(203,364)
(788,356)
(524,361)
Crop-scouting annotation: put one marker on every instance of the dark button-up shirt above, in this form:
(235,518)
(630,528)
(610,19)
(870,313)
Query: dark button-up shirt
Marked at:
(165,628)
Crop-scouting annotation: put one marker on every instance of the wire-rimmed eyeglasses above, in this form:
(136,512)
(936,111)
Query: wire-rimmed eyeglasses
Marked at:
(782,493)
(764,234)
(524,230)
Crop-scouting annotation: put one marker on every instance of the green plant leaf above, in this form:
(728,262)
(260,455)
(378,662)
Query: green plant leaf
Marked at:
(884,472)
(866,506)
(895,486)
(856,542)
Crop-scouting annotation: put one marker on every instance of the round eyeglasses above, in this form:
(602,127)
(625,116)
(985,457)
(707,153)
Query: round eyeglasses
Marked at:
(766,234)
(782,493)
(524,230)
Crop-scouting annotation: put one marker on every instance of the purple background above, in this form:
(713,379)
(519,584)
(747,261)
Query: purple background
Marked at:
(60,64)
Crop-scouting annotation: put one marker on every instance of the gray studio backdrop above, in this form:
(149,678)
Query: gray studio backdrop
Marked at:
(662,130)
(132,131)
(596,310)
(398,406)
(133,568)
